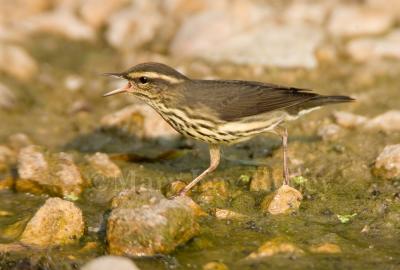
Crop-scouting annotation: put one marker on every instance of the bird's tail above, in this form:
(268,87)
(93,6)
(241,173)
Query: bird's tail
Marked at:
(318,101)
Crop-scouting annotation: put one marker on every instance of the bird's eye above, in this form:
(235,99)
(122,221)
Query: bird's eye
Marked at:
(143,80)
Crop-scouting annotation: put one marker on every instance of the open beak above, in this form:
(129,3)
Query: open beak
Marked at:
(124,89)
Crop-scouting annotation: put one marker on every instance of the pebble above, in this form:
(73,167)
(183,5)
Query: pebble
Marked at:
(275,247)
(227,214)
(110,262)
(73,82)
(349,120)
(144,223)
(326,248)
(329,132)
(18,63)
(57,222)
(348,21)
(388,122)
(387,164)
(284,200)
(102,164)
(215,266)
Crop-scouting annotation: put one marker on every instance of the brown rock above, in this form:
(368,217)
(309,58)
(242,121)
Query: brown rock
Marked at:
(387,164)
(7,157)
(57,222)
(7,98)
(173,188)
(326,248)
(144,223)
(274,247)
(44,172)
(266,179)
(97,12)
(213,192)
(284,200)
(102,164)
(18,141)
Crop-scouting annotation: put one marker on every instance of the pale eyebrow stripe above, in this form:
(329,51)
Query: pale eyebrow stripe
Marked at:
(155,75)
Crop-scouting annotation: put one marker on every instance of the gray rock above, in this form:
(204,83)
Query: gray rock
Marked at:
(364,49)
(40,172)
(57,222)
(144,223)
(110,262)
(387,164)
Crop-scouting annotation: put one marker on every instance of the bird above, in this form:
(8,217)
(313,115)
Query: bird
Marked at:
(220,112)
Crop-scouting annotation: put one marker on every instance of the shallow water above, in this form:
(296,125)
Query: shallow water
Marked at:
(338,172)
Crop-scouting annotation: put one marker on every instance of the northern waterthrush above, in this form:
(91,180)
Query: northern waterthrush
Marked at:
(220,111)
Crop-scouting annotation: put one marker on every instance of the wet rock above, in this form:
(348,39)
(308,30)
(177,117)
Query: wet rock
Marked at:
(102,164)
(284,200)
(16,62)
(215,266)
(144,223)
(51,173)
(227,214)
(349,120)
(266,179)
(110,262)
(365,49)
(388,122)
(213,193)
(326,248)
(7,97)
(387,165)
(61,22)
(329,132)
(347,21)
(275,247)
(139,120)
(128,29)
(57,222)
(97,12)
(12,247)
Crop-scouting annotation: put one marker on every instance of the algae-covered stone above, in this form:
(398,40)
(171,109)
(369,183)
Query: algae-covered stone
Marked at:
(284,200)
(110,262)
(265,179)
(145,223)
(387,165)
(228,214)
(102,164)
(173,188)
(213,193)
(57,222)
(274,247)
(42,172)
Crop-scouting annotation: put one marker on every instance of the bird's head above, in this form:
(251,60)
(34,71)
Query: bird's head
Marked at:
(148,81)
